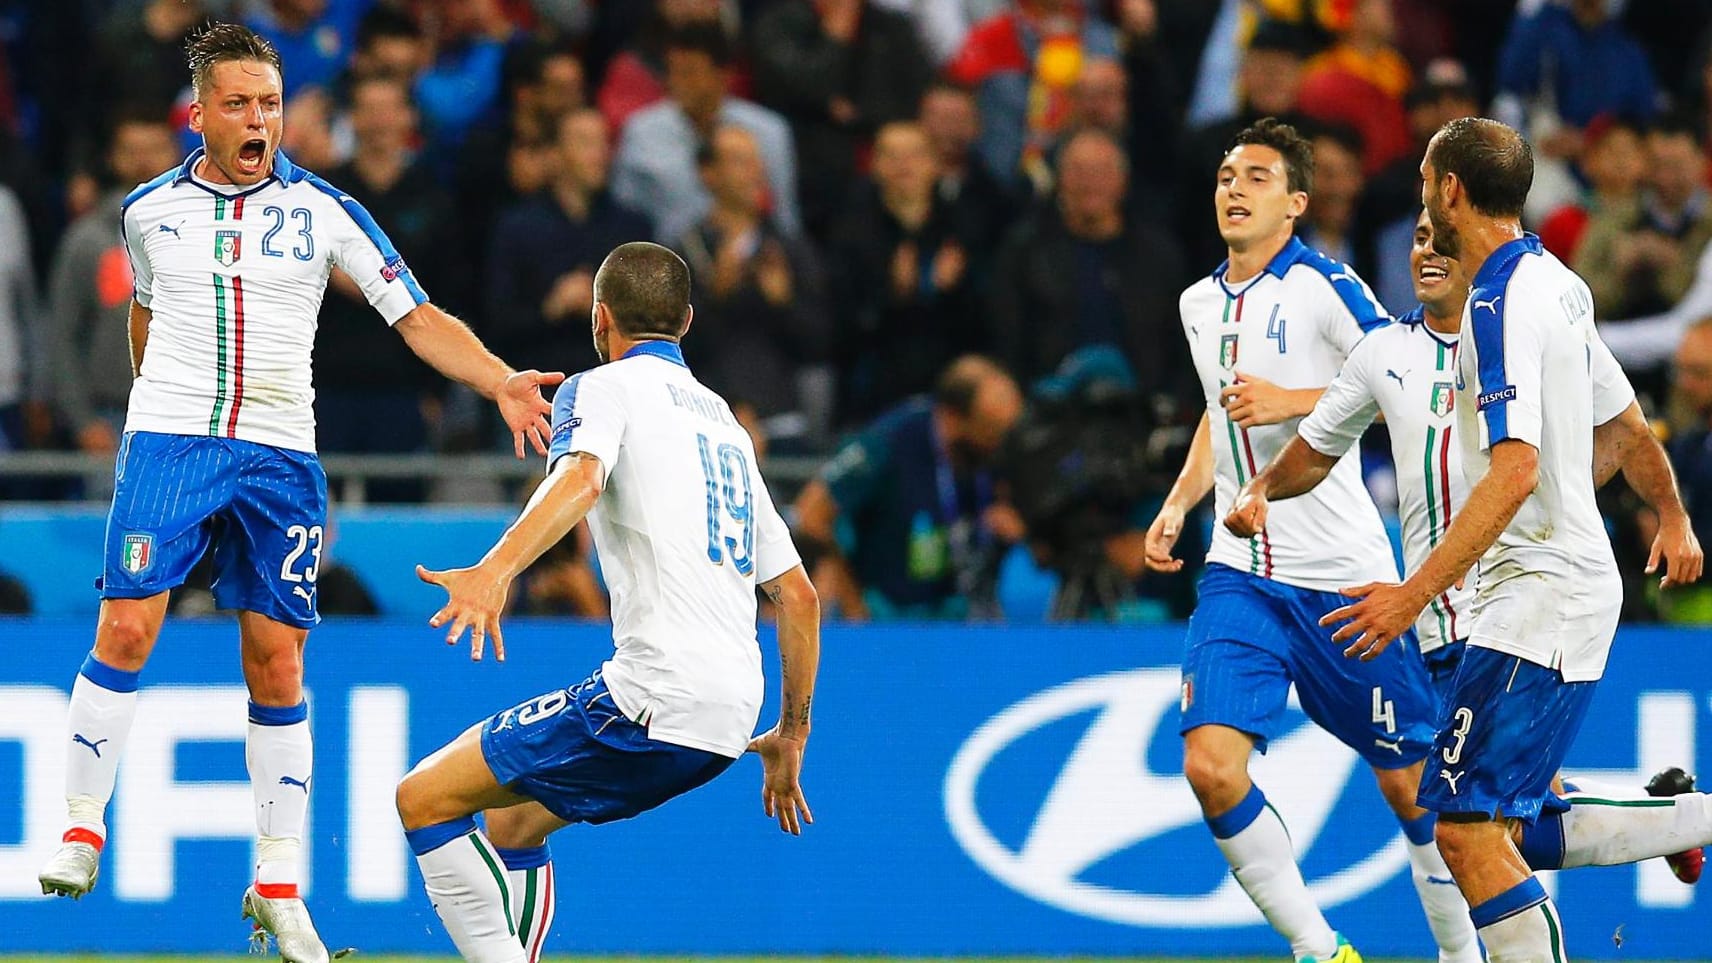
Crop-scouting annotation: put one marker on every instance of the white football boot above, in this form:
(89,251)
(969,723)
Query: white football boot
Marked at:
(287,921)
(71,871)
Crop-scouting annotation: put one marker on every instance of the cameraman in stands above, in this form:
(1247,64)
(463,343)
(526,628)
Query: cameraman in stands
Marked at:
(905,512)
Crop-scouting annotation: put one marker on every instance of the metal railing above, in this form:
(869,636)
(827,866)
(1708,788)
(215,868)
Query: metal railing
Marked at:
(485,478)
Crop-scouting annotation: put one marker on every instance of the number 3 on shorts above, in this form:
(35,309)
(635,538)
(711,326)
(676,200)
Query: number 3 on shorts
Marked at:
(308,540)
(1464,721)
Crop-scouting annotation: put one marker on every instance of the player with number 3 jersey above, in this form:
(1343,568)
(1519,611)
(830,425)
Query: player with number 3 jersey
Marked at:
(231,252)
(686,533)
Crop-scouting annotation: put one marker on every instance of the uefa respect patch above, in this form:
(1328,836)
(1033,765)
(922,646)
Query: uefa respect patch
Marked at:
(1487,400)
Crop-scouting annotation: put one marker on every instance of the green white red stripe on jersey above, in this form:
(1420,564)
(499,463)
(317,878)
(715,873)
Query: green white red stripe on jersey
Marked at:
(1435,478)
(228,337)
(1242,452)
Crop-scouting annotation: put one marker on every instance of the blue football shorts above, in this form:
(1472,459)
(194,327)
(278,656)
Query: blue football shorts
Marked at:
(1509,724)
(1251,637)
(572,751)
(263,508)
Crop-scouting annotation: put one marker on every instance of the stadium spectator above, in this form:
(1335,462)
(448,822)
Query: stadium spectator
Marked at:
(461,84)
(656,171)
(1553,106)
(540,283)
(388,43)
(1021,64)
(1614,162)
(372,393)
(1099,99)
(139,52)
(315,36)
(1083,271)
(1333,224)
(20,357)
(1269,81)
(89,293)
(1691,448)
(562,582)
(308,139)
(1360,83)
(635,77)
(952,124)
(900,270)
(837,70)
(900,510)
(1641,261)
(757,292)
(1156,85)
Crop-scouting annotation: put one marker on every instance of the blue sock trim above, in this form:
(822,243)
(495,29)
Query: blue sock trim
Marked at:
(1542,842)
(429,838)
(532,858)
(279,715)
(1570,786)
(107,677)
(1517,899)
(1239,818)
(1420,829)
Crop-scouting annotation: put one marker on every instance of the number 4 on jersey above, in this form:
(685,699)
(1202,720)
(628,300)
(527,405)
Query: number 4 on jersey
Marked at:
(722,469)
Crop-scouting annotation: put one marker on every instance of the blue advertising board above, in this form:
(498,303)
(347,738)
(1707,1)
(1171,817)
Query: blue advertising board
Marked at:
(976,790)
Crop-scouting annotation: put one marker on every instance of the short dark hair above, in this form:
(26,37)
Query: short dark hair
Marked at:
(1297,151)
(647,289)
(1493,161)
(961,382)
(702,36)
(225,43)
(385,23)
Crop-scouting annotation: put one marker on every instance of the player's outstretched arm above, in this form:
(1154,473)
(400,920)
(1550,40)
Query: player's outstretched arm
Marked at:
(1387,610)
(1192,485)
(476,595)
(451,348)
(138,324)
(1295,471)
(781,748)
(1627,442)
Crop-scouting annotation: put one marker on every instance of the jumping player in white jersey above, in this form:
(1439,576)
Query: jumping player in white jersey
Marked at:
(686,532)
(231,252)
(1268,331)
(1533,379)
(1407,373)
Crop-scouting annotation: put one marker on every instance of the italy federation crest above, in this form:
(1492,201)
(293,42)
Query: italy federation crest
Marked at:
(139,551)
(1227,351)
(1444,398)
(228,246)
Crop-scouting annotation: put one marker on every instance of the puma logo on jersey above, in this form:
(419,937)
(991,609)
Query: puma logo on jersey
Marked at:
(170,229)
(1396,747)
(1448,777)
(1395,376)
(1491,305)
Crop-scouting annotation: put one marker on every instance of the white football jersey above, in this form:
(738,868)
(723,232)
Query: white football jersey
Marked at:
(1407,372)
(234,279)
(685,530)
(1532,368)
(1293,325)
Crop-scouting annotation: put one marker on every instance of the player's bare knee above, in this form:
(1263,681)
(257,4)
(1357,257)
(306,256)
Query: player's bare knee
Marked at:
(1219,780)
(1400,788)
(415,803)
(126,637)
(274,674)
(1458,839)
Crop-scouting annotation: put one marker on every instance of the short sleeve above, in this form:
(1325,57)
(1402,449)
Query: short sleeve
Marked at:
(1612,393)
(853,475)
(588,416)
(142,274)
(1352,309)
(1346,408)
(775,553)
(1509,351)
(362,250)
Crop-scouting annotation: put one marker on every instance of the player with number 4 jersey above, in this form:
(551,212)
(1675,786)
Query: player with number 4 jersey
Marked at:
(686,533)
(231,252)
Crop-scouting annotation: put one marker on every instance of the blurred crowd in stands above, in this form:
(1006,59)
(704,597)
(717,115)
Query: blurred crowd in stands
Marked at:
(913,225)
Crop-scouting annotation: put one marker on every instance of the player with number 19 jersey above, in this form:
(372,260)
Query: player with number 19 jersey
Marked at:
(685,530)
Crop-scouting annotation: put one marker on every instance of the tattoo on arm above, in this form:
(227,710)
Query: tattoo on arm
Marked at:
(802,714)
(775,592)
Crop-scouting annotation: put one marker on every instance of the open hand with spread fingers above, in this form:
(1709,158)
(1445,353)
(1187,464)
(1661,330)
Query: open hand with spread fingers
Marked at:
(474,601)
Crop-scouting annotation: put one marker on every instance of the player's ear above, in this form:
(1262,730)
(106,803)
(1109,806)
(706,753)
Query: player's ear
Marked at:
(195,122)
(1298,204)
(689,318)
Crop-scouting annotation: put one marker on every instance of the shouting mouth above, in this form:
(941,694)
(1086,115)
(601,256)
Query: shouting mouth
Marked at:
(251,155)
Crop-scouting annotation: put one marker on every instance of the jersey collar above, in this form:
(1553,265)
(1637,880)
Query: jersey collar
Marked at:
(1418,317)
(1504,258)
(668,350)
(1293,251)
(284,171)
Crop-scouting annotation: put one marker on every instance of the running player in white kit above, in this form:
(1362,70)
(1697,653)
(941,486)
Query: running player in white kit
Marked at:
(686,533)
(1533,379)
(231,252)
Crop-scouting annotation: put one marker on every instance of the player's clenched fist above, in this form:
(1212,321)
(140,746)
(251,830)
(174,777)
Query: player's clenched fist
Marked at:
(1247,516)
(1162,537)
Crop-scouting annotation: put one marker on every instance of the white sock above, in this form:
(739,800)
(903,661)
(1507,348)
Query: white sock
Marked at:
(1257,846)
(103,703)
(467,884)
(1607,830)
(281,759)
(1447,911)
(1521,926)
(529,872)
